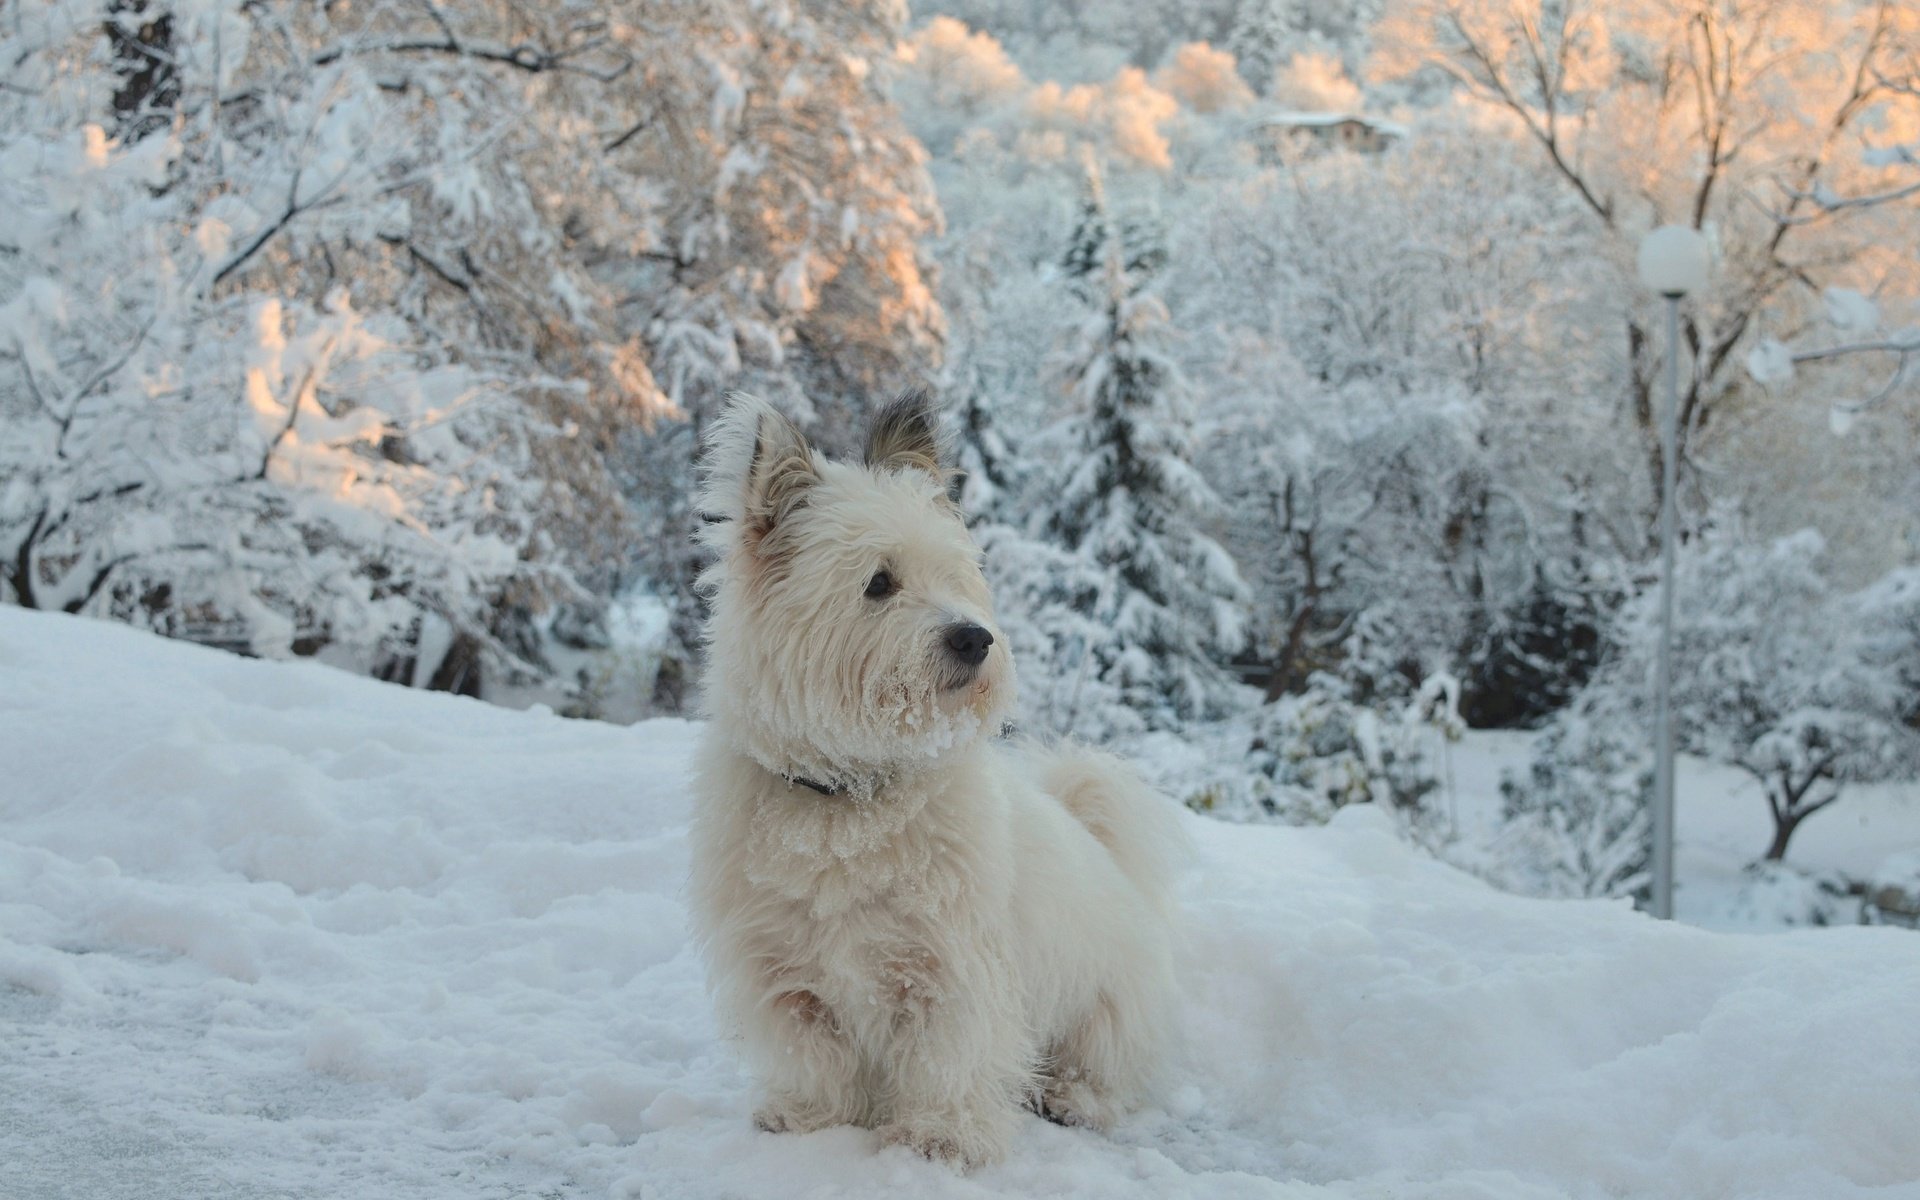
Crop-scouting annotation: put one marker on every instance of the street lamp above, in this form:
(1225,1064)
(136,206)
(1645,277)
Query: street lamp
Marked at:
(1674,260)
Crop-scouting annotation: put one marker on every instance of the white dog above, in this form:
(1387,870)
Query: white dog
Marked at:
(916,928)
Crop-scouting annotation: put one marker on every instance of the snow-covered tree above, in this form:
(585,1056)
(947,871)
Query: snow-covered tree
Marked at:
(1203,79)
(1532,654)
(409,300)
(956,79)
(1776,672)
(781,254)
(1005,312)
(1734,116)
(1315,82)
(1855,328)
(1341,516)
(1420,475)
(1125,119)
(276,369)
(1130,500)
(1054,606)
(1264,36)
(1886,614)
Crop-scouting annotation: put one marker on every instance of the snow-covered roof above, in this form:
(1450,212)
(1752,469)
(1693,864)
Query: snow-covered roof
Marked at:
(1288,119)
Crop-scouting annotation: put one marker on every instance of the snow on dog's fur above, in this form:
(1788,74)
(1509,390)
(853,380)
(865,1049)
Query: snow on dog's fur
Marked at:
(915,927)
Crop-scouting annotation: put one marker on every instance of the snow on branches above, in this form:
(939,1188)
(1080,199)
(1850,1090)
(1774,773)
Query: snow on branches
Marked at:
(333,330)
(1130,500)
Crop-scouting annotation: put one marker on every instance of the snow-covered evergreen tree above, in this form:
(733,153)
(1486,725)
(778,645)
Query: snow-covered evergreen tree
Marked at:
(1531,655)
(1263,37)
(1052,604)
(1130,500)
(1046,596)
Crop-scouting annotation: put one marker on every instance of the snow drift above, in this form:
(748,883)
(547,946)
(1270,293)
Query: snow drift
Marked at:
(272,930)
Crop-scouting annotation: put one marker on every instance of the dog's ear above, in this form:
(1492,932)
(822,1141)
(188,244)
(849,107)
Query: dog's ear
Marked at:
(756,469)
(905,434)
(780,474)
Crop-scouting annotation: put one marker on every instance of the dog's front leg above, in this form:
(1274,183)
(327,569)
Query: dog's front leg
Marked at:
(960,1059)
(807,1064)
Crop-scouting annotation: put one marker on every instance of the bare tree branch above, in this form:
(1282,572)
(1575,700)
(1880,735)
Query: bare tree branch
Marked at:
(523,57)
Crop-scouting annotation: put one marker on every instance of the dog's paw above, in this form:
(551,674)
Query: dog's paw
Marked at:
(928,1144)
(775,1117)
(1076,1102)
(961,1144)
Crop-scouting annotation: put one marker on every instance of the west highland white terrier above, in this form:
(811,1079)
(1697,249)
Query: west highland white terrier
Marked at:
(915,927)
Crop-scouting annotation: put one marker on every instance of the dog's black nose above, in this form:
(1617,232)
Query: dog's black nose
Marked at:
(969,643)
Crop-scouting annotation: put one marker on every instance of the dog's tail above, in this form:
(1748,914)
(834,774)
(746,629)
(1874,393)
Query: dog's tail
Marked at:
(1137,825)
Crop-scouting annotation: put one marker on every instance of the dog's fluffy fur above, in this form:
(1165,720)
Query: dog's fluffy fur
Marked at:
(964,926)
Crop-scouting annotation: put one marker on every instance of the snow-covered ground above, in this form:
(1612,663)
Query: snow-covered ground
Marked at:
(272,930)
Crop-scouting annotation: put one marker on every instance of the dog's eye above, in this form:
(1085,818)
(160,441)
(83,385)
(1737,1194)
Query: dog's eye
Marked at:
(880,586)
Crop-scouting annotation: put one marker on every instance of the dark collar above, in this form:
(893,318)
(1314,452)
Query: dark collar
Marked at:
(822,788)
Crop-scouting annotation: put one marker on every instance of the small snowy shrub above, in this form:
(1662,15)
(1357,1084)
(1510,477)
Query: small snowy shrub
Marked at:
(1316,752)
(1577,822)
(1776,894)
(1893,892)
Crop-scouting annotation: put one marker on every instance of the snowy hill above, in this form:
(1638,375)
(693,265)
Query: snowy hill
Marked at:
(272,930)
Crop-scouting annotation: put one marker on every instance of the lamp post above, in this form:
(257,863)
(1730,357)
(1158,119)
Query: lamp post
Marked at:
(1673,261)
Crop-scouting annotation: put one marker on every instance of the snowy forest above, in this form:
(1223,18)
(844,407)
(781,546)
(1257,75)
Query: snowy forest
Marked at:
(1305,397)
